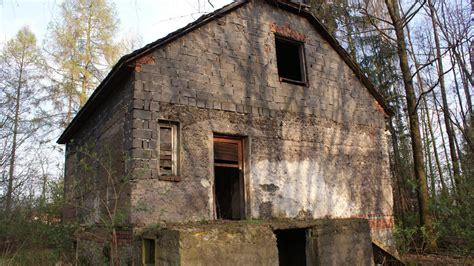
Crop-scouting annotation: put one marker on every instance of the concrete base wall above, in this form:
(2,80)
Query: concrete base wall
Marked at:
(341,242)
(216,245)
(328,242)
(246,245)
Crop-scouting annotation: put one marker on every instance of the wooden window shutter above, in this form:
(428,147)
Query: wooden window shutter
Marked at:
(228,151)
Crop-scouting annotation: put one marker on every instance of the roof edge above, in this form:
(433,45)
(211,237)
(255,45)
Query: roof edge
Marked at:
(339,49)
(121,65)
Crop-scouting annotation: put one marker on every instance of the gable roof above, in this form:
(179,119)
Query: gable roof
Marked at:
(123,65)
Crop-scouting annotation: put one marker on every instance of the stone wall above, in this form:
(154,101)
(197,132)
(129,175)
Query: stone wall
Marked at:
(93,247)
(341,242)
(96,159)
(217,245)
(312,151)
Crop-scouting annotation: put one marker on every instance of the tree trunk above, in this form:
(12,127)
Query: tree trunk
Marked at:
(428,118)
(70,97)
(447,122)
(467,93)
(44,186)
(443,143)
(350,40)
(458,94)
(16,118)
(429,165)
(457,54)
(426,219)
(435,149)
(399,202)
(69,109)
(87,59)
(114,256)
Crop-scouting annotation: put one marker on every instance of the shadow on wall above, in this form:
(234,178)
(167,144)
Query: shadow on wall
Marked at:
(317,151)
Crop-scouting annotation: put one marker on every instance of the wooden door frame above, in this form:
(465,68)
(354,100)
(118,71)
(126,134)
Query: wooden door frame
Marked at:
(242,165)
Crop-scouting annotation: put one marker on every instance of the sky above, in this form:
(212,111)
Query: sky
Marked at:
(150,19)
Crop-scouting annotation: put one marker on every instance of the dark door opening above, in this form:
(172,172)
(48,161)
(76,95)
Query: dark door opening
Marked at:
(291,245)
(228,178)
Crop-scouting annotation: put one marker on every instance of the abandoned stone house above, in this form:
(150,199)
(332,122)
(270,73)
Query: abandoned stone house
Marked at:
(247,137)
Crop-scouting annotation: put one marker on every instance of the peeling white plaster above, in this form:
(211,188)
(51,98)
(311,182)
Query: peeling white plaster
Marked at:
(205,183)
(305,187)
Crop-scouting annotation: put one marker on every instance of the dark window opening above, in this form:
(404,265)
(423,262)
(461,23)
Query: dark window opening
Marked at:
(149,251)
(291,245)
(228,179)
(290,61)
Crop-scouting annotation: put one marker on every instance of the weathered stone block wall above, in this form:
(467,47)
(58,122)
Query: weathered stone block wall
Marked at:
(313,151)
(93,247)
(167,247)
(96,159)
(237,246)
(341,242)
(217,245)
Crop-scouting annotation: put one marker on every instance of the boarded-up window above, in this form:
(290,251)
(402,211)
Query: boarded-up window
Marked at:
(168,148)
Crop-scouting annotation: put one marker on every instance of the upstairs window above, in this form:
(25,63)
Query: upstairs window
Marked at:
(290,60)
(168,148)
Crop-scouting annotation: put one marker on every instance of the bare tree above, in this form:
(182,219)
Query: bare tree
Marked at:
(20,78)
(426,218)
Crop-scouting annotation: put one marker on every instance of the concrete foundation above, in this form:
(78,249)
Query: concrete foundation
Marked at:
(326,242)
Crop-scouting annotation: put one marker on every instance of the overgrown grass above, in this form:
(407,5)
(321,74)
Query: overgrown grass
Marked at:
(31,257)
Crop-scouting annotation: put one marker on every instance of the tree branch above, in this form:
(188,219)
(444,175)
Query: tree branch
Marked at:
(430,89)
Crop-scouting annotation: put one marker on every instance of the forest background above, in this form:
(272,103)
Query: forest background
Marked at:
(418,53)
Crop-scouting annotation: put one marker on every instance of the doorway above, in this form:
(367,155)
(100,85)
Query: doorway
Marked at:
(291,244)
(229,192)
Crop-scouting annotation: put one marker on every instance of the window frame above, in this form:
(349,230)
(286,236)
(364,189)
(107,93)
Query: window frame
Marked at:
(175,149)
(302,60)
